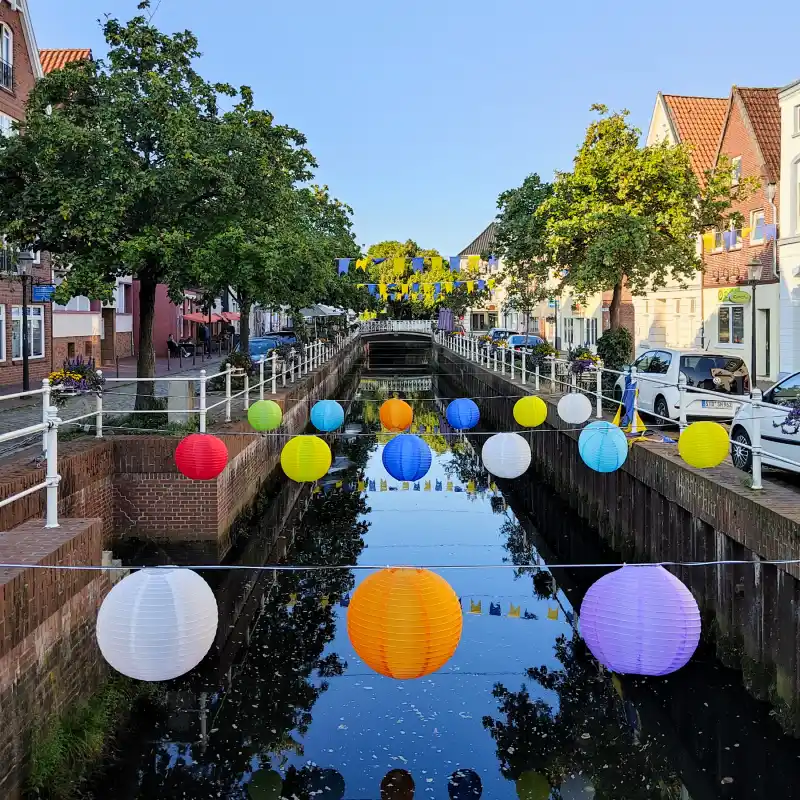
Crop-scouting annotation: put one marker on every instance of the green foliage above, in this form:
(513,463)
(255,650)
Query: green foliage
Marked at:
(521,241)
(66,751)
(615,347)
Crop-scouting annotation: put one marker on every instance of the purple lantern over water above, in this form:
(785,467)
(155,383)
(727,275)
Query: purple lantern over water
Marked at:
(640,621)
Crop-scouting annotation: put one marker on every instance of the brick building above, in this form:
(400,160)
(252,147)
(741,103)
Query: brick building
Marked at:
(19,70)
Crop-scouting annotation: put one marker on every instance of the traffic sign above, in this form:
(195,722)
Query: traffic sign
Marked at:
(43,292)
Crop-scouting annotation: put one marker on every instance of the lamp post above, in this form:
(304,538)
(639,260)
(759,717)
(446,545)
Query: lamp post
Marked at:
(24,264)
(753,277)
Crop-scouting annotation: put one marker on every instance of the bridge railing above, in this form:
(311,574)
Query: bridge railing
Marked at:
(397,325)
(558,375)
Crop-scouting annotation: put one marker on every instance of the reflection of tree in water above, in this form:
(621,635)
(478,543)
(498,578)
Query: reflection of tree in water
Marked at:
(276,686)
(522,552)
(585,732)
(465,465)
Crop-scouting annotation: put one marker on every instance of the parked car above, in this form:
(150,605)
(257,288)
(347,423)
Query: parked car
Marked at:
(526,342)
(778,436)
(499,333)
(657,380)
(263,346)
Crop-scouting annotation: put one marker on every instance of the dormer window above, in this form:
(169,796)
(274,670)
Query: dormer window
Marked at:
(6,58)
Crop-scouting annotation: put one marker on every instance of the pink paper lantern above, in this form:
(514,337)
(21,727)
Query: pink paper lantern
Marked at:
(640,621)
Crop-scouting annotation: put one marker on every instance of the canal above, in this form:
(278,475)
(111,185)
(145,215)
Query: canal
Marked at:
(283,707)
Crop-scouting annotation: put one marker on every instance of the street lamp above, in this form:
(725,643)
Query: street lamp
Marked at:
(753,276)
(24,265)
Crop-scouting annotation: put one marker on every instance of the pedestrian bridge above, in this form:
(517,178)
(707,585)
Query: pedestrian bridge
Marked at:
(389,329)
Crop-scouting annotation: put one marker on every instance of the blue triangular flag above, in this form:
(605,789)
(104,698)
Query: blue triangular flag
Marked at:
(416,487)
(417,264)
(345,601)
(494,610)
(458,283)
(728,239)
(459,489)
(770,231)
(481,286)
(492,261)
(378,260)
(414,287)
(344,264)
(438,486)
(455,263)
(372,486)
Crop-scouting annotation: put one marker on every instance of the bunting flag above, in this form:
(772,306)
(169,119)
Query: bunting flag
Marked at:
(417,264)
(362,263)
(474,608)
(343,264)
(473,263)
(427,486)
(436,263)
(449,486)
(384,486)
(708,241)
(455,263)
(448,286)
(399,265)
(514,611)
(492,261)
(552,613)
(770,231)
(404,486)
(324,601)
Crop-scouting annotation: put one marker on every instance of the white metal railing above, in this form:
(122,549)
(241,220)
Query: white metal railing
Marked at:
(559,376)
(399,325)
(398,384)
(308,358)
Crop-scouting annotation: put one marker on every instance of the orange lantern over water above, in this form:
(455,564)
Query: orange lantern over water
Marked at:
(404,623)
(396,415)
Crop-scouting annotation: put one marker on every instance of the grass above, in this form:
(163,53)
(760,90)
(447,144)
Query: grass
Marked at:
(65,751)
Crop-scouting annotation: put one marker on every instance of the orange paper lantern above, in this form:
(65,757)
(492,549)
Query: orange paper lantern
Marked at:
(396,415)
(404,623)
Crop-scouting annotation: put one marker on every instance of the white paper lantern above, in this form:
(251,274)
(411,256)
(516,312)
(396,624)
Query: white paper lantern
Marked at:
(575,408)
(506,455)
(157,624)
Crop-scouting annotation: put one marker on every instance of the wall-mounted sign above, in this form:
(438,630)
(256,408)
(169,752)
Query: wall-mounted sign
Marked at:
(733,295)
(552,302)
(42,292)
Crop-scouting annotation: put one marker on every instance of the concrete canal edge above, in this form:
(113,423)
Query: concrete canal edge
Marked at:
(655,508)
(112,489)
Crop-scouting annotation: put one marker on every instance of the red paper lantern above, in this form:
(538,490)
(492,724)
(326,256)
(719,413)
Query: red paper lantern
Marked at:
(201,456)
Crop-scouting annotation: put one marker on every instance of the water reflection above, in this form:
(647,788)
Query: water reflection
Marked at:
(521,710)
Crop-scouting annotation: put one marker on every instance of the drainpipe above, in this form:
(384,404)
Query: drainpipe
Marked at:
(771,192)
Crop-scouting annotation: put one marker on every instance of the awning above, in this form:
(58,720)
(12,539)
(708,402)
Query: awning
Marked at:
(202,318)
(231,316)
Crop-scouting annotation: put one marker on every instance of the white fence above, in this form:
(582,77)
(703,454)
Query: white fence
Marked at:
(558,376)
(272,373)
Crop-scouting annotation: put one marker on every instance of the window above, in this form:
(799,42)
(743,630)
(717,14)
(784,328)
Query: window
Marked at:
(786,393)
(6,57)
(591,330)
(79,303)
(5,125)
(2,332)
(731,325)
(642,363)
(569,330)
(757,226)
(659,363)
(70,349)
(35,332)
(736,170)
(719,242)
(716,373)
(691,305)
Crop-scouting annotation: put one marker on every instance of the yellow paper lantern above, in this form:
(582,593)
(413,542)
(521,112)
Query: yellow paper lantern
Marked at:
(533,786)
(396,415)
(530,412)
(306,458)
(704,444)
(404,623)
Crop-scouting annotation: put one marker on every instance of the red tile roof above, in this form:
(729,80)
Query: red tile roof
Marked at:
(56,59)
(698,122)
(764,113)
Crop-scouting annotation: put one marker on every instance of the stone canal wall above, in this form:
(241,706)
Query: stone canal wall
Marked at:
(655,508)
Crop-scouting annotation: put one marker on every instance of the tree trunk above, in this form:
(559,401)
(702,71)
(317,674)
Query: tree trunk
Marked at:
(146,358)
(614,308)
(245,303)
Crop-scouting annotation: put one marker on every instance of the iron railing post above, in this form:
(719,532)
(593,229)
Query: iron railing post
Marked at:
(682,422)
(45,409)
(203,413)
(52,477)
(274,358)
(228,371)
(261,378)
(599,400)
(98,423)
(755,395)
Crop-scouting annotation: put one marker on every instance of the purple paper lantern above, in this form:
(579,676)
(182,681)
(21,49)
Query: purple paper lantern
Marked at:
(640,621)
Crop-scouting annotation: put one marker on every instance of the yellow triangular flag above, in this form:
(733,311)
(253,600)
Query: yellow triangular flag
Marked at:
(449,486)
(384,486)
(474,608)
(427,486)
(514,611)
(491,283)
(414,427)
(493,486)
(708,241)
(448,286)
(470,286)
(361,263)
(436,262)
(399,265)
(552,613)
(404,288)
(361,486)
(324,601)
(404,487)
(292,601)
(338,484)
(471,486)
(473,262)
(746,232)
(316,490)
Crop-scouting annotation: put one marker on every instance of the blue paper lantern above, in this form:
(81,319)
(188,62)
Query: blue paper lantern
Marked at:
(327,415)
(463,414)
(407,457)
(603,446)
(464,784)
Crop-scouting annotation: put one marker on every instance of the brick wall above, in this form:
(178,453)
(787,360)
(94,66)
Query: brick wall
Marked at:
(13,102)
(49,657)
(73,346)
(123,344)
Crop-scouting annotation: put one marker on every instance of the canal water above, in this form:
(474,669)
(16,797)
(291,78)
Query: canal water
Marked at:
(521,707)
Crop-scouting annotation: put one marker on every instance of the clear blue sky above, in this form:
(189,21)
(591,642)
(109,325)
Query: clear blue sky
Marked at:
(420,112)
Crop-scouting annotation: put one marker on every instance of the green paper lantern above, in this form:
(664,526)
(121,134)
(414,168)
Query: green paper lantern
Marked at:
(264,415)
(266,783)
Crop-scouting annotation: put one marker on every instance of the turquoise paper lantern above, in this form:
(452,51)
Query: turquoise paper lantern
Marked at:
(407,457)
(463,414)
(327,415)
(603,446)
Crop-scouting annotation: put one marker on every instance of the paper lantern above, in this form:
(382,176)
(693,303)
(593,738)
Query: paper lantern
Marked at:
(640,621)
(404,623)
(157,624)
(406,457)
(574,408)
(704,444)
(603,446)
(201,456)
(506,455)
(396,415)
(530,412)
(266,784)
(464,784)
(327,415)
(306,458)
(264,415)
(325,784)
(463,414)
(397,785)
(533,786)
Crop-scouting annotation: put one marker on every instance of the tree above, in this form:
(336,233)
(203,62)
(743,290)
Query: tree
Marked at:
(521,241)
(128,167)
(630,215)
(459,299)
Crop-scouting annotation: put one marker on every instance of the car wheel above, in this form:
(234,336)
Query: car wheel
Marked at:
(741,455)
(661,410)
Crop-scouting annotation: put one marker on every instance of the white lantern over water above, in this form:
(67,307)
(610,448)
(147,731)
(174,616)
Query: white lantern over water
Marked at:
(506,455)
(157,624)
(574,408)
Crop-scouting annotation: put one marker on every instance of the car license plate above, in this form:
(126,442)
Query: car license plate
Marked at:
(716,404)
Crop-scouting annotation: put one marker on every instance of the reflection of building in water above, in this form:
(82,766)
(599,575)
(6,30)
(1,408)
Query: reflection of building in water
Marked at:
(411,384)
